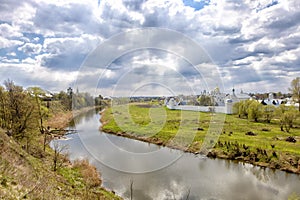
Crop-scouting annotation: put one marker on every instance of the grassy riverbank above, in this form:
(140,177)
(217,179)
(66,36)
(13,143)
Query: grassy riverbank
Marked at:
(259,143)
(28,173)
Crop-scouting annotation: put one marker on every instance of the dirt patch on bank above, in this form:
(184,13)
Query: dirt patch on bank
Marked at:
(60,120)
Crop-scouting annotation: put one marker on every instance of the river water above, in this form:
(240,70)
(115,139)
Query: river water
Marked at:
(147,171)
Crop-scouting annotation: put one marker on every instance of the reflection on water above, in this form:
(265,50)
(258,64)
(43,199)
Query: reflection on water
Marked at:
(189,175)
(82,117)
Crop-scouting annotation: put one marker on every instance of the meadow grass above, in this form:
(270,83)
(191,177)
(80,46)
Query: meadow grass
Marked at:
(136,120)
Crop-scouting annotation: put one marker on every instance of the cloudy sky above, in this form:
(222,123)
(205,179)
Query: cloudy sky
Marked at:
(146,47)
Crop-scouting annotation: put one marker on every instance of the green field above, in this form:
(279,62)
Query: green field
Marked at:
(224,134)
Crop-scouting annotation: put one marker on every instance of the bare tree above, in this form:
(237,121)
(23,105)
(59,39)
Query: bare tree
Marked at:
(295,89)
(59,155)
(46,140)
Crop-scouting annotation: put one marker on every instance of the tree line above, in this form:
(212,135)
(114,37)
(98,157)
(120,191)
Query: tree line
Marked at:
(24,111)
(70,100)
(253,110)
(287,115)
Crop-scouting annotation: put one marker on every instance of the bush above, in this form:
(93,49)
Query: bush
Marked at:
(291,139)
(4,182)
(89,173)
(250,133)
(254,111)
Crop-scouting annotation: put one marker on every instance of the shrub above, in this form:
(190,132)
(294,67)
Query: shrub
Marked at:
(89,173)
(291,139)
(250,133)
(254,111)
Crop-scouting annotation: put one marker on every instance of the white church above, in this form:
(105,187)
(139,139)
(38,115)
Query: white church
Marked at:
(223,101)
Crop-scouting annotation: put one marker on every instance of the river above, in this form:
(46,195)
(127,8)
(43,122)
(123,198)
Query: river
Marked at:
(147,171)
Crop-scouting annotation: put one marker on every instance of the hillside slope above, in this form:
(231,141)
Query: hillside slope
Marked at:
(24,176)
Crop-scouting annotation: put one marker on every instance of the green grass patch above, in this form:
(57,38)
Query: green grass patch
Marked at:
(72,175)
(143,121)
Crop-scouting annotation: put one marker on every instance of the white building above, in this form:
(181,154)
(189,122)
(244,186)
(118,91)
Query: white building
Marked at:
(237,97)
(223,101)
(272,101)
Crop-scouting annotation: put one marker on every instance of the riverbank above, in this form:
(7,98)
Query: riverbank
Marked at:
(266,147)
(62,119)
(87,172)
(27,171)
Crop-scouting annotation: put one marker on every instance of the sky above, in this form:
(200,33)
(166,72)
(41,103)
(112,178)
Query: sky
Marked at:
(150,47)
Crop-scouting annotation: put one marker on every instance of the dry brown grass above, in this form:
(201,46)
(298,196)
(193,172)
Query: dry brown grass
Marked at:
(60,120)
(89,173)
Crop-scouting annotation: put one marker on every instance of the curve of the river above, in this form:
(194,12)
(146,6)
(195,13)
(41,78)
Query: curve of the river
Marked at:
(188,175)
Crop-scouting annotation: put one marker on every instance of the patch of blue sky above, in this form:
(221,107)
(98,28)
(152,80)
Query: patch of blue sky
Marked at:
(34,38)
(273,3)
(196,4)
(13,53)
